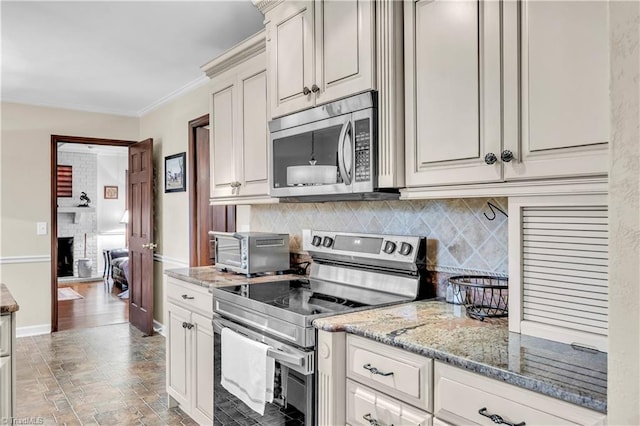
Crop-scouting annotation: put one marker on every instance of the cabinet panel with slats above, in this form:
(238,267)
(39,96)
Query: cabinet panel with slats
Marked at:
(562,272)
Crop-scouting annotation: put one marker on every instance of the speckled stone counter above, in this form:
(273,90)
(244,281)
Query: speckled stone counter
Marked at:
(7,303)
(210,277)
(443,332)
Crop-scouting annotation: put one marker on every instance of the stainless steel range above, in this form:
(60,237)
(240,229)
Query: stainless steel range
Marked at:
(349,272)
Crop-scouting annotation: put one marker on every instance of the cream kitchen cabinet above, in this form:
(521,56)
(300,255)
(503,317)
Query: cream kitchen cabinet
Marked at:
(7,366)
(319,51)
(190,349)
(239,136)
(462,397)
(505,95)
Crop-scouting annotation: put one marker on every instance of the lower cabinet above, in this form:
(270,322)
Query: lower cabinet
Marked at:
(7,367)
(462,397)
(190,349)
(386,385)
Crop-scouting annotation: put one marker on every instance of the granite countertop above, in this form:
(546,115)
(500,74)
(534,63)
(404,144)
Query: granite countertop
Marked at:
(210,277)
(7,303)
(443,332)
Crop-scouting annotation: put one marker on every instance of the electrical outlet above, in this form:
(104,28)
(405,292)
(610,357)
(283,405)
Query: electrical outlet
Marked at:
(41,228)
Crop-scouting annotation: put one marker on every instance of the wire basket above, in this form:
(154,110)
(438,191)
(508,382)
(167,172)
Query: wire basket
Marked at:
(483,296)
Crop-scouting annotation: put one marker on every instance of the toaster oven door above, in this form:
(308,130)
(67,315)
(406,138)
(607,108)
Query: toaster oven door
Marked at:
(228,251)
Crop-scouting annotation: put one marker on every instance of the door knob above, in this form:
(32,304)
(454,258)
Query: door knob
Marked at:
(490,158)
(150,246)
(506,156)
(315,88)
(305,90)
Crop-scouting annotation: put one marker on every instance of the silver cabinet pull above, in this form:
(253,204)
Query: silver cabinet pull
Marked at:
(372,421)
(184,296)
(374,370)
(490,158)
(497,419)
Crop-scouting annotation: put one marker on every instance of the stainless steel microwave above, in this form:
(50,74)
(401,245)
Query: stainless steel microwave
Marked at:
(328,152)
(250,253)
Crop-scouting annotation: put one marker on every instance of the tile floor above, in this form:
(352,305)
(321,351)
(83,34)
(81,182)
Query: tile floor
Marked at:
(109,375)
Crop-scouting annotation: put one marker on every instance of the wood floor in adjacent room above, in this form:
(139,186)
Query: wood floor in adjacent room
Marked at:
(98,307)
(109,375)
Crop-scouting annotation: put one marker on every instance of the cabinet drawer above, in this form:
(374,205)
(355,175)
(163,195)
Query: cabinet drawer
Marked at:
(5,335)
(366,406)
(396,372)
(190,296)
(460,395)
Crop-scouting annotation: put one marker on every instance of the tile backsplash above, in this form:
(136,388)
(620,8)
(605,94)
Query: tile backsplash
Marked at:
(461,238)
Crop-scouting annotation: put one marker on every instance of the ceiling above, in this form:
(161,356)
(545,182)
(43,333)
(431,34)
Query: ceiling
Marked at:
(119,57)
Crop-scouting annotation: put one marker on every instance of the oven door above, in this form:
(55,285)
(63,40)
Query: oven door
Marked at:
(313,159)
(294,391)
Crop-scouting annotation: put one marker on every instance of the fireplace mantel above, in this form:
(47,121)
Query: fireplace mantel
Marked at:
(76,212)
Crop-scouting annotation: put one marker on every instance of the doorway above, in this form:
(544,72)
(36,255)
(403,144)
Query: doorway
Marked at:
(204,217)
(82,290)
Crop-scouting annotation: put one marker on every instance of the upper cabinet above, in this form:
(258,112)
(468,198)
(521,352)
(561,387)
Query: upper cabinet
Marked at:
(239,135)
(318,51)
(505,91)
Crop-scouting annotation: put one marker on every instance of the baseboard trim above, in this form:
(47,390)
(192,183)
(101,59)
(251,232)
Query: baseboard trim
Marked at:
(158,328)
(33,330)
(25,259)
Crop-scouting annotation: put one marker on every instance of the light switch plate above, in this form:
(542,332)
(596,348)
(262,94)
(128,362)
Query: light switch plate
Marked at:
(41,228)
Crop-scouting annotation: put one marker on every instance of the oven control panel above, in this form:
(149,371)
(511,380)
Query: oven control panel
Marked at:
(388,247)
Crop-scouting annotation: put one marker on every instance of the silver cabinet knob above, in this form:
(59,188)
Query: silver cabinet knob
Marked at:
(305,90)
(506,156)
(315,88)
(490,158)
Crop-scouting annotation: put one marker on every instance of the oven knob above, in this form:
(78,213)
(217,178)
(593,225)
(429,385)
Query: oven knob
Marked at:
(406,249)
(389,247)
(316,241)
(327,242)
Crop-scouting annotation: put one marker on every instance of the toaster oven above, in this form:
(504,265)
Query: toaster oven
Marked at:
(251,253)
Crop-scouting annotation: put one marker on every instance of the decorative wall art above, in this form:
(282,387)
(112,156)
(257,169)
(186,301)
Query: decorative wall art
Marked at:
(64,181)
(110,192)
(175,174)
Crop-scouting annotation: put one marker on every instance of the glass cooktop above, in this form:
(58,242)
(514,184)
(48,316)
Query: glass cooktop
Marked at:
(303,296)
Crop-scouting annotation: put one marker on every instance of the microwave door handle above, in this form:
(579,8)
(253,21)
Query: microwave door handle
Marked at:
(346,176)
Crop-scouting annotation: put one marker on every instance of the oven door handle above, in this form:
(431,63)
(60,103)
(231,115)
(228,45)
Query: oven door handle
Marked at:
(277,354)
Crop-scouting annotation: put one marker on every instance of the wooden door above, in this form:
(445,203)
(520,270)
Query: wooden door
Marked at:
(253,131)
(202,247)
(453,92)
(290,48)
(344,48)
(140,230)
(556,88)
(222,154)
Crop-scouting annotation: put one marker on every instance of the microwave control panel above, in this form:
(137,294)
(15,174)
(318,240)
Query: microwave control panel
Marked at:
(363,150)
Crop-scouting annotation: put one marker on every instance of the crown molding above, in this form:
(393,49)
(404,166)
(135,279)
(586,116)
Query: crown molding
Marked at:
(265,5)
(69,106)
(200,81)
(242,51)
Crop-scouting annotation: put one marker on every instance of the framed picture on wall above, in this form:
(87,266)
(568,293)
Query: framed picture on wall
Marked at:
(175,173)
(110,192)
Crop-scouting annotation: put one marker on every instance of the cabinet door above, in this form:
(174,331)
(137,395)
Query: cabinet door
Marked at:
(5,388)
(452,51)
(178,355)
(366,406)
(290,48)
(253,131)
(563,58)
(223,112)
(344,48)
(202,396)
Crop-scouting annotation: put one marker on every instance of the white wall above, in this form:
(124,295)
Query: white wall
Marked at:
(624,208)
(25,195)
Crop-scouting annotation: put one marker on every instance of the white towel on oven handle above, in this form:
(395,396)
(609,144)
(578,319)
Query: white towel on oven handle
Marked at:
(246,369)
